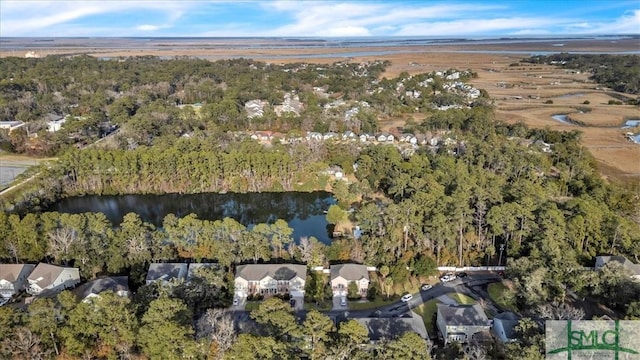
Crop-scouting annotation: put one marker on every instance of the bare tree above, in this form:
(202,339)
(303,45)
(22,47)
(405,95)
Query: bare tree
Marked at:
(559,311)
(60,242)
(24,345)
(217,325)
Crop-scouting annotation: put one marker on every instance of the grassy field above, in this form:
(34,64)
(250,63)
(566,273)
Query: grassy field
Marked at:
(366,305)
(427,311)
(462,299)
(501,295)
(12,165)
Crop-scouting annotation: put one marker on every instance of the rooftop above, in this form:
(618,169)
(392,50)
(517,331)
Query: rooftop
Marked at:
(254,272)
(351,272)
(469,315)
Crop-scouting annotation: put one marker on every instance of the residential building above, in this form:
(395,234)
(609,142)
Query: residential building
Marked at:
(13,278)
(52,279)
(633,269)
(11,125)
(393,327)
(270,279)
(343,274)
(503,326)
(461,323)
(119,285)
(54,122)
(167,273)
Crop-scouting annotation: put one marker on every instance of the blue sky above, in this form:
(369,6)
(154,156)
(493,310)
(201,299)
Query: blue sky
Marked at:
(317,18)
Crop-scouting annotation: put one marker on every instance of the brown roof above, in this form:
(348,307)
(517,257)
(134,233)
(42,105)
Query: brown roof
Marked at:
(350,272)
(11,272)
(47,272)
(255,272)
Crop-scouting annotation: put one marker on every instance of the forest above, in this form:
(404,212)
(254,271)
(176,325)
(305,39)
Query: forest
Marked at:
(533,193)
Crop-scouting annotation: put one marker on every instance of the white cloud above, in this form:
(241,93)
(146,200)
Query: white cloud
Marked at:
(326,18)
(147,27)
(53,18)
(628,23)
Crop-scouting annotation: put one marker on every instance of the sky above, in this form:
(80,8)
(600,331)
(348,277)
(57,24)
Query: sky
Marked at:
(349,18)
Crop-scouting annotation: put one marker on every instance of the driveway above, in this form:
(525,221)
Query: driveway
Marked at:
(337,306)
(299,303)
(242,302)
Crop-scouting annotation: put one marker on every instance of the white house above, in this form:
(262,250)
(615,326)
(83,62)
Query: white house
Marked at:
(270,279)
(54,122)
(11,125)
(166,273)
(343,274)
(461,322)
(13,278)
(52,278)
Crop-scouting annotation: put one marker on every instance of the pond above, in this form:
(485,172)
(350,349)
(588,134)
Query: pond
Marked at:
(562,118)
(631,124)
(303,211)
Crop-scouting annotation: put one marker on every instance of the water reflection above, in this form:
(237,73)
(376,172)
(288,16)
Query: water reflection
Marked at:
(303,211)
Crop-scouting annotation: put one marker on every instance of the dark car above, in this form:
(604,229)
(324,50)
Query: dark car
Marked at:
(462,274)
(292,302)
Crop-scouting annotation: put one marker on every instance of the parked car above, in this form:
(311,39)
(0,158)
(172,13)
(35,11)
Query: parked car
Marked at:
(461,274)
(448,277)
(343,301)
(425,287)
(236,301)
(292,302)
(406,298)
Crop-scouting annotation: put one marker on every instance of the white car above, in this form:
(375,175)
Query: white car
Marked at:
(343,301)
(406,298)
(448,277)
(236,301)
(425,287)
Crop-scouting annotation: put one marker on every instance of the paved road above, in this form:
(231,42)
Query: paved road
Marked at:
(460,285)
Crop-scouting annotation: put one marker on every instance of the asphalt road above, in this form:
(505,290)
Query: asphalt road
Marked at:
(459,285)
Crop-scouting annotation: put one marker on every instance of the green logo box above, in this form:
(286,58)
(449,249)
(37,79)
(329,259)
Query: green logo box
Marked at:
(592,339)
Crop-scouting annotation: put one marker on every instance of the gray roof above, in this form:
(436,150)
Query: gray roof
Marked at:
(12,272)
(114,283)
(350,272)
(167,271)
(458,315)
(626,263)
(255,272)
(391,328)
(509,321)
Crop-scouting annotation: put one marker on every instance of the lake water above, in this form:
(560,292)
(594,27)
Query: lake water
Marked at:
(303,211)
(562,118)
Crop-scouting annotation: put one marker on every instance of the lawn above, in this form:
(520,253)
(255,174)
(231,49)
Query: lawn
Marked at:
(252,305)
(366,305)
(502,296)
(462,299)
(427,310)
(323,306)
